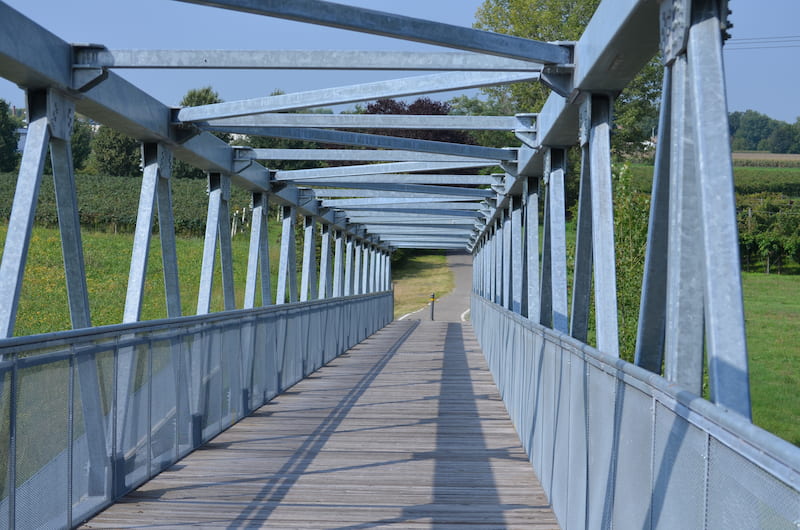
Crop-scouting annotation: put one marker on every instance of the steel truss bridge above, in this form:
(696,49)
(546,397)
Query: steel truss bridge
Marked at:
(614,443)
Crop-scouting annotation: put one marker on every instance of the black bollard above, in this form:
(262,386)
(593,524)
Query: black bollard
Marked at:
(433,301)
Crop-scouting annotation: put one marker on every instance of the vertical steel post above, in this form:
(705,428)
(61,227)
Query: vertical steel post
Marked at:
(683,341)
(141,238)
(325,263)
(365,269)
(23,210)
(517,251)
(287,270)
(210,244)
(582,277)
(724,315)
(605,278)
(309,279)
(166,232)
(357,272)
(258,256)
(652,307)
(373,270)
(348,267)
(338,256)
(226,245)
(507,270)
(499,251)
(555,277)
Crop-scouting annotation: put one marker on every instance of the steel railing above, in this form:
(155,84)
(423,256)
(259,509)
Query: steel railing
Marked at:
(163,389)
(617,446)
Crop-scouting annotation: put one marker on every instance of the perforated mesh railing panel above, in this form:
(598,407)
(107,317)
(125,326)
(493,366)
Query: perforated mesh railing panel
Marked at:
(97,412)
(617,447)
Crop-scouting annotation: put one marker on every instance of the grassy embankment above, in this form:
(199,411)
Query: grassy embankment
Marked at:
(43,304)
(416,277)
(771,302)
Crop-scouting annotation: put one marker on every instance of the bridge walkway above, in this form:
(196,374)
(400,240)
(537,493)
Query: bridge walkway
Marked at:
(405,430)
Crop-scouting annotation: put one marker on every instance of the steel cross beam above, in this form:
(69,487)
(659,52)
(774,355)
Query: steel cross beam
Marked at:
(408,28)
(376,169)
(399,190)
(373,140)
(375,181)
(372,121)
(353,155)
(407,86)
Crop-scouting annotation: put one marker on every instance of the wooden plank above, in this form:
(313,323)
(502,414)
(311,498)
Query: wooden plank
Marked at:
(405,430)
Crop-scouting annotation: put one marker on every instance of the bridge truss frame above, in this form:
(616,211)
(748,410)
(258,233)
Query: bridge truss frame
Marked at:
(691,297)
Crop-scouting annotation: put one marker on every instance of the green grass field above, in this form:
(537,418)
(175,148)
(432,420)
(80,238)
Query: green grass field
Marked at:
(416,277)
(43,302)
(772,312)
(772,304)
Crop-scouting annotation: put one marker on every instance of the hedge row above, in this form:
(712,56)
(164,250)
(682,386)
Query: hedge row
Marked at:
(111,203)
(747,180)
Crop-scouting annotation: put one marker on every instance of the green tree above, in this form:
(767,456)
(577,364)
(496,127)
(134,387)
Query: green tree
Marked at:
(81,142)
(550,20)
(631,217)
(197,97)
(265,142)
(9,157)
(753,130)
(115,154)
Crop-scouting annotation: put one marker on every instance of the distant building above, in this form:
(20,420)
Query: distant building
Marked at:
(21,134)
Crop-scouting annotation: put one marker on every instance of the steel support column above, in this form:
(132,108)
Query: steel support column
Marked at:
(217,226)
(325,263)
(287,268)
(309,278)
(554,265)
(258,257)
(338,256)
(532,278)
(348,267)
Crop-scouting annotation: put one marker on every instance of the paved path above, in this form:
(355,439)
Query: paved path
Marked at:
(454,306)
(406,430)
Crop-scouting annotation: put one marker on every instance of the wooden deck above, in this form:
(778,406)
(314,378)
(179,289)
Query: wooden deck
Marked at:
(405,430)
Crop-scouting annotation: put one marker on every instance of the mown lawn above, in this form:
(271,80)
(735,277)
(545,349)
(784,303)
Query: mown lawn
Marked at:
(416,277)
(772,312)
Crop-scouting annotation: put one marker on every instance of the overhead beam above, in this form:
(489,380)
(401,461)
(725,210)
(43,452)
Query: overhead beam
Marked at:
(344,182)
(438,202)
(357,155)
(399,190)
(398,26)
(408,86)
(432,212)
(300,60)
(377,169)
(45,61)
(374,141)
(372,121)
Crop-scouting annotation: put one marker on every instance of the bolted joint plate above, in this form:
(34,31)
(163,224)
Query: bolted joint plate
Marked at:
(164,162)
(60,114)
(89,66)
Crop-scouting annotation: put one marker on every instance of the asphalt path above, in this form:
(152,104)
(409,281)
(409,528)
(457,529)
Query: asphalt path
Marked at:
(454,306)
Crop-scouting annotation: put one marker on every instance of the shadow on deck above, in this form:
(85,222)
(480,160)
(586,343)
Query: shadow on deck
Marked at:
(406,429)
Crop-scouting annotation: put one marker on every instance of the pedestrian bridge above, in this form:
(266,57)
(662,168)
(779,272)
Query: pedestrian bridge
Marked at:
(310,406)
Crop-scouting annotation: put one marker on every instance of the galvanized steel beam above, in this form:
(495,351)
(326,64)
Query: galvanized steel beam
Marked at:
(371,121)
(408,86)
(373,141)
(91,57)
(398,26)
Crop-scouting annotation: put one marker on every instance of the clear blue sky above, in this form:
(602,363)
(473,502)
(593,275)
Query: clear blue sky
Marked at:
(763,79)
